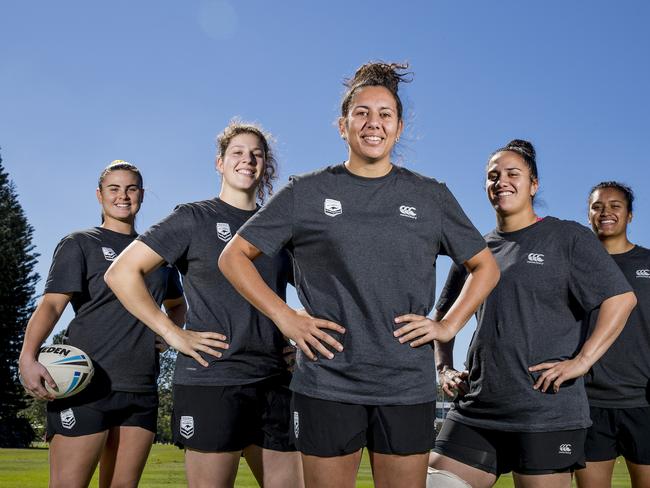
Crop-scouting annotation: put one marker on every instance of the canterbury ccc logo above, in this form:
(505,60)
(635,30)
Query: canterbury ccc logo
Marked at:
(565,449)
(535,258)
(406,211)
(643,273)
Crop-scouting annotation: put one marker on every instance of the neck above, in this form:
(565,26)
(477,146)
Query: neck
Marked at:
(617,244)
(238,198)
(520,220)
(374,169)
(119,226)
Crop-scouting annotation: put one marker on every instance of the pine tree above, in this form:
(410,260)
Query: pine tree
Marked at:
(17,283)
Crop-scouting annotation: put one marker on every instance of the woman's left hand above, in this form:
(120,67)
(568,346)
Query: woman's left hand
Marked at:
(422,329)
(557,373)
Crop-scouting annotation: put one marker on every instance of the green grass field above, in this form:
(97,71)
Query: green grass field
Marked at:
(27,468)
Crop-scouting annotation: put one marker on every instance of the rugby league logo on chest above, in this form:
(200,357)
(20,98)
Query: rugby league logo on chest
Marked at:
(109,254)
(332,207)
(223,231)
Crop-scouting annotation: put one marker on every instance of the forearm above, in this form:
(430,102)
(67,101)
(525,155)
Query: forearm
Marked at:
(483,277)
(239,270)
(41,324)
(127,282)
(444,351)
(612,317)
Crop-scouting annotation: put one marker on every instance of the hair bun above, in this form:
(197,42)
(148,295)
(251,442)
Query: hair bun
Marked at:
(389,75)
(523,146)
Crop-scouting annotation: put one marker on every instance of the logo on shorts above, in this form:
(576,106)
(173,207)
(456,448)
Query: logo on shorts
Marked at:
(187,426)
(535,258)
(643,273)
(67,418)
(223,231)
(333,207)
(109,254)
(296,424)
(564,449)
(406,211)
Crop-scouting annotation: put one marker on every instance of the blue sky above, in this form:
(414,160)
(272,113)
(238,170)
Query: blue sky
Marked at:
(152,82)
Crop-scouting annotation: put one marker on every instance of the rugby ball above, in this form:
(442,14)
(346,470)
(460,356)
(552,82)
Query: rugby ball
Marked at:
(70,368)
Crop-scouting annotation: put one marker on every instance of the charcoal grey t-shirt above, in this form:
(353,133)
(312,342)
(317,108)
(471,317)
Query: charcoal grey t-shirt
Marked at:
(122,348)
(364,253)
(192,238)
(621,378)
(552,273)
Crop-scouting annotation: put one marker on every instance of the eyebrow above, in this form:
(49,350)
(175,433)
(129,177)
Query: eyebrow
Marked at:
(242,146)
(380,108)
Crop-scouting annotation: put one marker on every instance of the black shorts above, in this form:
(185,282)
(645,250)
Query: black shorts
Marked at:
(498,452)
(619,432)
(230,418)
(327,428)
(83,414)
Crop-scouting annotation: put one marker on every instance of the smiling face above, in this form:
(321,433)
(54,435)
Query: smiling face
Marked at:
(508,185)
(120,196)
(372,125)
(242,163)
(609,213)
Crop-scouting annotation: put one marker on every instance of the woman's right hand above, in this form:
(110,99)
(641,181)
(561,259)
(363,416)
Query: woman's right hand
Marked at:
(453,382)
(307,332)
(33,376)
(190,342)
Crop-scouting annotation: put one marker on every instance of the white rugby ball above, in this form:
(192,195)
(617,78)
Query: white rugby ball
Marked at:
(70,368)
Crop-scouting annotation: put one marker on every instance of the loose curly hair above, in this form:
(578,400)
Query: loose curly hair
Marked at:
(269,174)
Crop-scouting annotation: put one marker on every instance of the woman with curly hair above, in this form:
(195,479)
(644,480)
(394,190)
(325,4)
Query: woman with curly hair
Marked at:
(230,382)
(364,235)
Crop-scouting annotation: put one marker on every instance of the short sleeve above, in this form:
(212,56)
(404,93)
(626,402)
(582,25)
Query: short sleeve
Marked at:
(170,238)
(271,228)
(460,239)
(68,270)
(594,275)
(174,287)
(453,286)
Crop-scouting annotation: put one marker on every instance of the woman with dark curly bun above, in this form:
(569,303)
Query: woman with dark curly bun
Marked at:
(525,408)
(364,235)
(231,394)
(618,385)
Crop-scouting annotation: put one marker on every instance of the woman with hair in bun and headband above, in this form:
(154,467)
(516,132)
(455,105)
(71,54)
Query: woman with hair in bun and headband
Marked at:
(231,393)
(618,385)
(525,408)
(113,421)
(364,235)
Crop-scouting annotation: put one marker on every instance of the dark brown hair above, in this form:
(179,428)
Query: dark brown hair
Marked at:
(388,75)
(627,192)
(237,127)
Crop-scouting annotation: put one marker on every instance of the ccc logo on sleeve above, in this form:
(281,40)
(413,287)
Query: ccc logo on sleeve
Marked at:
(535,258)
(643,273)
(407,211)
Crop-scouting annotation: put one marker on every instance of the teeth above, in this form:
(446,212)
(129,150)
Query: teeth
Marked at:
(372,138)
(504,193)
(123,205)
(246,172)
(606,221)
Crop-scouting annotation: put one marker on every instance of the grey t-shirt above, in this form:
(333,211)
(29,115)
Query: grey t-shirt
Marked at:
(364,253)
(192,238)
(122,348)
(621,378)
(552,273)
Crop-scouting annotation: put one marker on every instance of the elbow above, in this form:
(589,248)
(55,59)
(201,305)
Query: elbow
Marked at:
(630,300)
(109,276)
